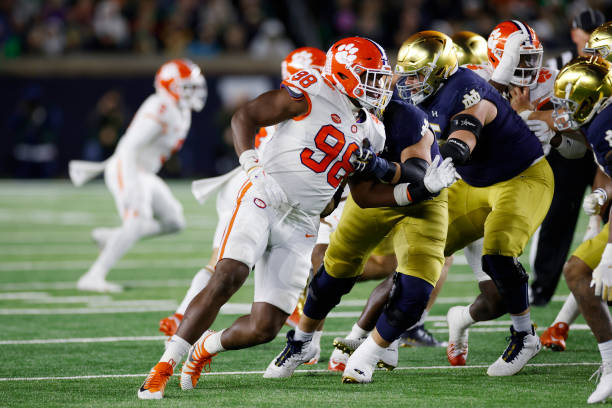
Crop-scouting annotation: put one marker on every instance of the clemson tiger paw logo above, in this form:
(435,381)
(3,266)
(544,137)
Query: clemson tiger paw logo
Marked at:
(346,53)
(302,59)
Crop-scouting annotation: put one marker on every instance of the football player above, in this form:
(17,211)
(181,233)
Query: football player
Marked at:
(506,184)
(470,47)
(321,123)
(227,187)
(418,240)
(583,92)
(145,203)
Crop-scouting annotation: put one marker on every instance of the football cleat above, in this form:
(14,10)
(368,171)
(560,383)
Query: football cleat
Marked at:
(419,336)
(337,360)
(294,354)
(90,284)
(388,360)
(197,360)
(523,347)
(294,319)
(357,372)
(554,337)
(604,388)
(168,325)
(315,359)
(155,383)
(457,349)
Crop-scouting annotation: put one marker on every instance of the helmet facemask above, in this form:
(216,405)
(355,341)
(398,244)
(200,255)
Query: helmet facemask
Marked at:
(602,51)
(194,92)
(416,86)
(528,69)
(374,89)
(563,113)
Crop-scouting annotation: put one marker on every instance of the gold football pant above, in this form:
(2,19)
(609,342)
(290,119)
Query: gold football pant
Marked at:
(418,232)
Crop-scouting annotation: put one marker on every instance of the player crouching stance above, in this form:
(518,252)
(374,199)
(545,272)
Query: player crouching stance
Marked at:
(321,123)
(144,202)
(583,91)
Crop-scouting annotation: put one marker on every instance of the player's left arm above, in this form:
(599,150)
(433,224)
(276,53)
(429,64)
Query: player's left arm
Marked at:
(464,131)
(602,274)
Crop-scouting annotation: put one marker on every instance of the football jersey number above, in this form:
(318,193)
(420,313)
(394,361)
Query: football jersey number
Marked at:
(329,141)
(304,78)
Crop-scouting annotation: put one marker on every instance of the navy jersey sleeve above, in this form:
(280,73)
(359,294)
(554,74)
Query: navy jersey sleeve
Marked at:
(405,125)
(599,136)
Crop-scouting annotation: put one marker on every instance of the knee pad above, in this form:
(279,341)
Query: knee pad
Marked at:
(407,301)
(510,278)
(324,293)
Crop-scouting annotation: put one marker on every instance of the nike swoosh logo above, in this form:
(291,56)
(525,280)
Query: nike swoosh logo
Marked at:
(309,236)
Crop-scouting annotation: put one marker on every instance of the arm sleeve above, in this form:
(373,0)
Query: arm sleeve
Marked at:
(571,148)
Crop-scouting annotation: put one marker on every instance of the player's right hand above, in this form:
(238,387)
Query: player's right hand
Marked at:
(593,202)
(602,275)
(265,185)
(510,59)
(541,129)
(440,176)
(362,159)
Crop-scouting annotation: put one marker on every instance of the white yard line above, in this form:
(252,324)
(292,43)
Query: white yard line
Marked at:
(88,248)
(322,371)
(84,265)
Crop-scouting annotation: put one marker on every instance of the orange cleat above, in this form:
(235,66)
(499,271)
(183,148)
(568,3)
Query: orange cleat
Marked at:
(457,354)
(168,325)
(554,337)
(294,319)
(155,384)
(198,359)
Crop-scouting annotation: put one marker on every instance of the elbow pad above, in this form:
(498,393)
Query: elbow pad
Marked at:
(413,170)
(457,150)
(468,122)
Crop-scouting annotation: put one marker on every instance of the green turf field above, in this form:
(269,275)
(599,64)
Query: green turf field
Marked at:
(61,347)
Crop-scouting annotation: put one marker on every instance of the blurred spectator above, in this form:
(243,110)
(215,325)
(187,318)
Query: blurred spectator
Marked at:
(34,127)
(107,123)
(271,41)
(110,26)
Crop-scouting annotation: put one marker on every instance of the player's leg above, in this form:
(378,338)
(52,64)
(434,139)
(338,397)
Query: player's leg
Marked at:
(137,222)
(166,208)
(578,273)
(244,242)
(555,336)
(518,206)
(419,240)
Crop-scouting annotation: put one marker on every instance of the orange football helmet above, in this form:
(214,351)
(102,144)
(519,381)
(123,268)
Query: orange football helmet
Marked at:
(360,69)
(183,81)
(531,51)
(301,58)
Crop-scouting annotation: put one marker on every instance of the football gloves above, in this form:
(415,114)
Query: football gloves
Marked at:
(602,275)
(263,183)
(593,202)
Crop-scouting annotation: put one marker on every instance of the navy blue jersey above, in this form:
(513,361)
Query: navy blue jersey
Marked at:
(405,125)
(506,146)
(599,135)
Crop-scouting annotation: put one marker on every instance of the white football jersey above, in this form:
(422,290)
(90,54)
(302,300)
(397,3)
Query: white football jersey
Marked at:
(309,155)
(539,93)
(153,145)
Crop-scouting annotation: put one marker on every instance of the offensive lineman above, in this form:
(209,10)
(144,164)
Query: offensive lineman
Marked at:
(144,201)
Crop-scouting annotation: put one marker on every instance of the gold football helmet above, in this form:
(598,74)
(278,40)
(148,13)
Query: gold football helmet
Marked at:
(582,89)
(424,61)
(470,47)
(600,41)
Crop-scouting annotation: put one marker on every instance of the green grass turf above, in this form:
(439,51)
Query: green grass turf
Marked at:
(45,240)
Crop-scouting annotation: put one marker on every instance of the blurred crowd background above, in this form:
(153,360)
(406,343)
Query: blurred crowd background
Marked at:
(56,108)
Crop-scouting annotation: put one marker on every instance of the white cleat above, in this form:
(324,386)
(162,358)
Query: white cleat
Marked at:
(86,283)
(294,354)
(388,360)
(457,349)
(604,388)
(337,360)
(522,348)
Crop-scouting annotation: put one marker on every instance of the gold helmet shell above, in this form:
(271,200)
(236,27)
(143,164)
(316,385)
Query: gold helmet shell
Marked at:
(424,61)
(471,48)
(600,42)
(582,89)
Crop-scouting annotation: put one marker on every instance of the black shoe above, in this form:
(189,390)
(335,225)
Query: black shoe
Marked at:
(419,336)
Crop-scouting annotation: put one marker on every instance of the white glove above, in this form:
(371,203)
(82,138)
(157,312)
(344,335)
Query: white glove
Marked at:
(593,202)
(510,59)
(602,275)
(264,184)
(541,130)
(438,177)
(593,227)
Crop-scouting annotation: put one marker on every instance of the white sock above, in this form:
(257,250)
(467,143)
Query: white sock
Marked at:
(466,318)
(569,312)
(369,351)
(473,256)
(212,344)
(199,282)
(302,336)
(357,333)
(605,349)
(316,338)
(421,321)
(117,245)
(522,323)
(176,348)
